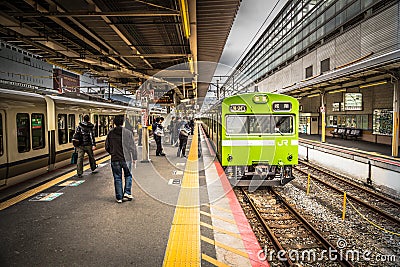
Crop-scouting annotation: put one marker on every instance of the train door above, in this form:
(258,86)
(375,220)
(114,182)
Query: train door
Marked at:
(3,149)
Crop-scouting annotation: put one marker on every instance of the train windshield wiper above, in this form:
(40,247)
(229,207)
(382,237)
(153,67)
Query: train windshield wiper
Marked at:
(278,131)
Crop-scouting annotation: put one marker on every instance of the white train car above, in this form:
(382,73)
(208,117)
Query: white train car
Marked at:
(36,131)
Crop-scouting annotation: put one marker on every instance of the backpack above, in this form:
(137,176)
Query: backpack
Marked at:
(77,138)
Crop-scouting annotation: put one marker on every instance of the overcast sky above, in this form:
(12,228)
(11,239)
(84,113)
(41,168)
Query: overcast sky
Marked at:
(251,15)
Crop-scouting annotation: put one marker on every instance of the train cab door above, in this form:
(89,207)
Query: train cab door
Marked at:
(3,149)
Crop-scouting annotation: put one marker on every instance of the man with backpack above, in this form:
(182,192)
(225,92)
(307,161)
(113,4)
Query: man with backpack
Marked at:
(84,141)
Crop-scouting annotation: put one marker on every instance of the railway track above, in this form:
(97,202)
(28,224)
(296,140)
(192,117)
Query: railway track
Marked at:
(382,205)
(294,239)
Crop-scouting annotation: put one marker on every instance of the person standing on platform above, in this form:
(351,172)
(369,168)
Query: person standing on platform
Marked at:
(120,144)
(139,131)
(173,133)
(184,132)
(87,143)
(176,131)
(158,132)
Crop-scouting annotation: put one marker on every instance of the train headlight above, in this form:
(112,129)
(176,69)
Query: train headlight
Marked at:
(229,158)
(290,157)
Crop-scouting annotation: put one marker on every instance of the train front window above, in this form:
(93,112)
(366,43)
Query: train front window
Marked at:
(236,125)
(259,124)
(23,132)
(37,131)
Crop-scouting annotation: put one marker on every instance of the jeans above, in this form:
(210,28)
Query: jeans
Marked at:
(182,145)
(117,167)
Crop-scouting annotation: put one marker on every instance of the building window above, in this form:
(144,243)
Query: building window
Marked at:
(71,127)
(37,131)
(62,129)
(309,72)
(325,65)
(23,132)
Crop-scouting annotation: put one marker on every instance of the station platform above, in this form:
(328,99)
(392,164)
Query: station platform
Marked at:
(184,214)
(367,162)
(354,144)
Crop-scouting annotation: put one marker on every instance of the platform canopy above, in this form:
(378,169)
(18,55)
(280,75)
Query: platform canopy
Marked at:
(122,42)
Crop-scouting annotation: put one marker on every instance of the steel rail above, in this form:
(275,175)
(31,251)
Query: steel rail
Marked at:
(351,197)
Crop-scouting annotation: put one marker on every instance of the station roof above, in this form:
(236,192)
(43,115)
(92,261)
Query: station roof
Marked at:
(118,40)
(364,72)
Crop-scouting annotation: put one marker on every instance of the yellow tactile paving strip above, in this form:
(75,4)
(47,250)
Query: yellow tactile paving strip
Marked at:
(183,247)
(36,190)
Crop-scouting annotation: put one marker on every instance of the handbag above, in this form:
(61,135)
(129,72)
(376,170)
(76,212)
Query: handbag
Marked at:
(74,157)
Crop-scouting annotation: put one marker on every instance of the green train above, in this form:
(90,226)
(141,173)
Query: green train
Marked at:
(255,137)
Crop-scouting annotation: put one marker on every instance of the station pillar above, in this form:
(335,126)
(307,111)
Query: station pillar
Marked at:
(323,117)
(396,107)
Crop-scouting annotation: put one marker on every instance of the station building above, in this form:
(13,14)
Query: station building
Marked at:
(339,58)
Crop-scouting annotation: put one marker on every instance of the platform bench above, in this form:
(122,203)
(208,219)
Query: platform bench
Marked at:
(338,132)
(354,133)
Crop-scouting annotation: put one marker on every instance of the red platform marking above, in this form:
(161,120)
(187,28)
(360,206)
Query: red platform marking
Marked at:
(249,239)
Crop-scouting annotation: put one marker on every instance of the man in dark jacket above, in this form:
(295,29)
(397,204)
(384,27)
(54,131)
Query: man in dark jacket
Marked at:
(122,148)
(87,144)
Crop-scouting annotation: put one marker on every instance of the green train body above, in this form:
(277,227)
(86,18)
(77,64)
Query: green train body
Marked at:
(256,137)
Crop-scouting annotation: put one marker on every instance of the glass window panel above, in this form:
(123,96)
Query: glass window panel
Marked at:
(330,26)
(96,125)
(23,132)
(236,124)
(71,127)
(38,133)
(330,12)
(352,10)
(62,129)
(259,124)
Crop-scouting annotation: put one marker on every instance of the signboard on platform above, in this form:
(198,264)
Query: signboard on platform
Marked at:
(353,101)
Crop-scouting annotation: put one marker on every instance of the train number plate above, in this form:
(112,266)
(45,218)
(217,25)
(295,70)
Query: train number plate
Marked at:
(237,108)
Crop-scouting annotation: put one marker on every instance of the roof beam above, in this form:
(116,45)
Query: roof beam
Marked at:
(95,14)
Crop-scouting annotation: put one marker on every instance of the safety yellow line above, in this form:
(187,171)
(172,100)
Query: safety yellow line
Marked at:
(34,191)
(226,247)
(217,217)
(184,244)
(221,230)
(213,261)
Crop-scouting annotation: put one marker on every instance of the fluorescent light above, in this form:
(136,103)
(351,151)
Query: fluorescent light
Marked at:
(337,91)
(373,84)
(185,100)
(314,95)
(185,18)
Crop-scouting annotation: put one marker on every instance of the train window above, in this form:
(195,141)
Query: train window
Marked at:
(96,125)
(103,125)
(259,124)
(1,136)
(110,122)
(23,132)
(71,127)
(236,124)
(282,124)
(62,129)
(37,131)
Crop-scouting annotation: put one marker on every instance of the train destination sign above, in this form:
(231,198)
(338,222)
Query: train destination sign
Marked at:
(282,106)
(237,108)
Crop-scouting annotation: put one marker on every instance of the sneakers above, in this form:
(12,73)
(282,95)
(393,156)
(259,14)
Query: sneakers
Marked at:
(129,197)
(119,201)
(162,154)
